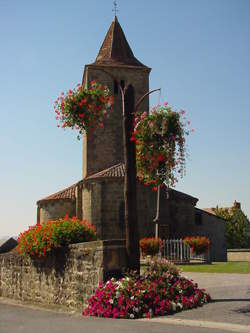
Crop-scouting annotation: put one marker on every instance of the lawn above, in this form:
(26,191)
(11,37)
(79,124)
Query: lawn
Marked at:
(219,267)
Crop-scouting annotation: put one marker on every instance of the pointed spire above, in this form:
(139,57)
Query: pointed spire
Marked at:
(115,49)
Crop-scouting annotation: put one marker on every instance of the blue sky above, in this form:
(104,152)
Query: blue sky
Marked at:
(199,52)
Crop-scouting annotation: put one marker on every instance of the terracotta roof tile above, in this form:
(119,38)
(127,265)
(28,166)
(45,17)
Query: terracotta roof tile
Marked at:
(209,210)
(116,171)
(115,49)
(68,193)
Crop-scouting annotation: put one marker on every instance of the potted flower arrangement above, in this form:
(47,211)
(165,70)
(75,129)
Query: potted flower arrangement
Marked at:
(150,246)
(198,244)
(83,109)
(160,151)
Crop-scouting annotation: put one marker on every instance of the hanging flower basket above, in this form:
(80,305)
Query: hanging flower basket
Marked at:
(83,109)
(198,244)
(160,145)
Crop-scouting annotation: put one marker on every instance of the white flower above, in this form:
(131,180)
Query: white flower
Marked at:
(111,301)
(173,306)
(132,297)
(180,306)
(131,316)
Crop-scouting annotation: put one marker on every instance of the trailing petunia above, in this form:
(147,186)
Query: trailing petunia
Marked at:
(83,109)
(160,145)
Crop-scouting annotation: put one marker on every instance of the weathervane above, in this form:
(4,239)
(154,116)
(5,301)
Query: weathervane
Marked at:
(115,10)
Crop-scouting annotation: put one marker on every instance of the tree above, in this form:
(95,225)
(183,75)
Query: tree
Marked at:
(237,227)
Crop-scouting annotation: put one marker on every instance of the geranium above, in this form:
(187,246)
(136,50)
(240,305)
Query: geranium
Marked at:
(150,245)
(156,292)
(160,145)
(198,244)
(42,239)
(83,109)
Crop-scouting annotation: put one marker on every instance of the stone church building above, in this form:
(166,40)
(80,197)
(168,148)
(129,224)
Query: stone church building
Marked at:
(98,196)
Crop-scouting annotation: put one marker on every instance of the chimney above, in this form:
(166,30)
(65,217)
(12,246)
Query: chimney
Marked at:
(237,205)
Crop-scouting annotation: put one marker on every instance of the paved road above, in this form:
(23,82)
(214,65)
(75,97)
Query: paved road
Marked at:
(229,313)
(231,295)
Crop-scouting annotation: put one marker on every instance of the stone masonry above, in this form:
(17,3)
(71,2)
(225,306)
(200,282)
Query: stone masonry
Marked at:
(67,278)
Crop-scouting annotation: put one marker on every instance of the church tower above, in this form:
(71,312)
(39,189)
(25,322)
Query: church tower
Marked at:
(115,61)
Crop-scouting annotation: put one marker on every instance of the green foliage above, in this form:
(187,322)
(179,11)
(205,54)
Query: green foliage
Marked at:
(160,145)
(42,239)
(237,227)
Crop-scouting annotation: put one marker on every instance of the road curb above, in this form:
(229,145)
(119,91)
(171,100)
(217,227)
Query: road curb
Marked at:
(200,323)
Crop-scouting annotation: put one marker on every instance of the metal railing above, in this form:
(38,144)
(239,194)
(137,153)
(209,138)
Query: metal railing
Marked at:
(177,251)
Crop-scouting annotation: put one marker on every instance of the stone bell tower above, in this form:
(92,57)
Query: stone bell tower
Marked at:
(115,60)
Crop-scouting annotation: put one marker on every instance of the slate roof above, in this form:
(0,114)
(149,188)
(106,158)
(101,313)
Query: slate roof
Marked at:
(7,244)
(115,49)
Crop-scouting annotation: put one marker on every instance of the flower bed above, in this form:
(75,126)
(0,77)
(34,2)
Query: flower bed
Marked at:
(159,291)
(41,239)
(150,245)
(198,244)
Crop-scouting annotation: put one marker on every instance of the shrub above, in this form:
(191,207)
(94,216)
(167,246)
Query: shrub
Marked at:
(198,244)
(42,239)
(150,245)
(237,227)
(147,295)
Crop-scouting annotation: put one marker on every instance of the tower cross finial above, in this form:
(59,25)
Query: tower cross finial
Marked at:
(115,10)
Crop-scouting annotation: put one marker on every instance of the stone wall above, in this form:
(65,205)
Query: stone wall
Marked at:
(103,205)
(238,254)
(66,278)
(55,209)
(104,148)
(213,227)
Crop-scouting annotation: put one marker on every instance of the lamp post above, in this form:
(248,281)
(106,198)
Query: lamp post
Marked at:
(129,108)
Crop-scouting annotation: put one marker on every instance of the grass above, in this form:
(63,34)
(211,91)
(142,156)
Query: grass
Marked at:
(242,267)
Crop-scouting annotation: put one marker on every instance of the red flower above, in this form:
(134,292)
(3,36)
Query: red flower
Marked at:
(161,158)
